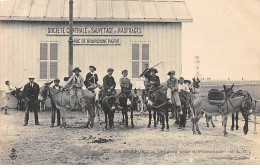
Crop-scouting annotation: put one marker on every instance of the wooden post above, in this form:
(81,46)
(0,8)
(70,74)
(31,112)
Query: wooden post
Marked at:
(70,66)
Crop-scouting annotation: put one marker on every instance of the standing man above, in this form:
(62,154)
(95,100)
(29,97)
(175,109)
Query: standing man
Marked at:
(146,74)
(31,92)
(75,85)
(109,85)
(57,87)
(91,79)
(6,95)
(172,86)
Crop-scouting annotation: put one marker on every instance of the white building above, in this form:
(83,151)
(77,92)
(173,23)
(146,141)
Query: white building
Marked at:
(123,34)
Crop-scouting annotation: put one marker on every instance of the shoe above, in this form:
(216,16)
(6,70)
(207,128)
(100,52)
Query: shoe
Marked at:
(52,125)
(25,124)
(37,124)
(58,124)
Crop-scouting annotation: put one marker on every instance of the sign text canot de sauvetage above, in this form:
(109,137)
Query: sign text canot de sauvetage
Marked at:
(95,31)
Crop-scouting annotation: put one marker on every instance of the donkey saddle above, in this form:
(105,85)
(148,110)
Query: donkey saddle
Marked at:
(216,97)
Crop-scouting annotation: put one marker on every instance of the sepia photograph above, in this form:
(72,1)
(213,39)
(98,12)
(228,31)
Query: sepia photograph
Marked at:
(129,82)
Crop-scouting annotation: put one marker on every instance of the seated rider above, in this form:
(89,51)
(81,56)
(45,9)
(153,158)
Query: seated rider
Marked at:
(146,74)
(91,79)
(183,86)
(125,83)
(75,85)
(153,80)
(109,85)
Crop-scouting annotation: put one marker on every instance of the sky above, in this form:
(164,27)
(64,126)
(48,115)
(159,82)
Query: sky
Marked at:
(225,34)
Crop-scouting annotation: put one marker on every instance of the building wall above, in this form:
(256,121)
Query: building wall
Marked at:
(20,50)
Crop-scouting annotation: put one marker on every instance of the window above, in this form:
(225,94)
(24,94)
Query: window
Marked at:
(48,60)
(138,62)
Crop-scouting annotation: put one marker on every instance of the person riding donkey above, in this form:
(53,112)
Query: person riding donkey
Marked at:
(146,74)
(91,79)
(109,85)
(172,90)
(55,110)
(125,83)
(153,81)
(75,84)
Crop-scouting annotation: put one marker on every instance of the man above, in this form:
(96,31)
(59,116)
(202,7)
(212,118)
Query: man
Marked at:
(31,92)
(146,74)
(91,79)
(183,89)
(109,85)
(125,82)
(183,86)
(75,84)
(153,80)
(54,108)
(172,86)
(6,95)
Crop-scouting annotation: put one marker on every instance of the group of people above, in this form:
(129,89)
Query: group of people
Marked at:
(76,82)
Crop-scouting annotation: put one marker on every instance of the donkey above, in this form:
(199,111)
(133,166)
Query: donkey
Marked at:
(160,104)
(62,101)
(128,101)
(18,94)
(245,108)
(228,106)
(108,103)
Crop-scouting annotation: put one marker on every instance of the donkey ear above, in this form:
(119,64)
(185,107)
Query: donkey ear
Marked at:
(232,86)
(225,88)
(193,79)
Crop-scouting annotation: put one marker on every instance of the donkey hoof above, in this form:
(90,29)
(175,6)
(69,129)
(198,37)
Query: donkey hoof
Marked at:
(225,133)
(148,126)
(213,126)
(199,132)
(162,129)
(207,125)
(167,127)
(194,132)
(237,127)
(245,133)
(133,126)
(231,129)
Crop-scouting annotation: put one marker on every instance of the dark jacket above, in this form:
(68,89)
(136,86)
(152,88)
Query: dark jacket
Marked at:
(109,82)
(90,79)
(146,73)
(31,93)
(155,79)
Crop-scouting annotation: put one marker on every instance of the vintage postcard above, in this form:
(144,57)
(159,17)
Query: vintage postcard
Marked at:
(129,82)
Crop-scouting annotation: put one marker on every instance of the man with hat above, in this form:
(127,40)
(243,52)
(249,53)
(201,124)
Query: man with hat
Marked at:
(55,110)
(172,86)
(153,80)
(91,79)
(109,85)
(146,74)
(31,92)
(75,84)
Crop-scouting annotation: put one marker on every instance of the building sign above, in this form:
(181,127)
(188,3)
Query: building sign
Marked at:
(96,31)
(85,41)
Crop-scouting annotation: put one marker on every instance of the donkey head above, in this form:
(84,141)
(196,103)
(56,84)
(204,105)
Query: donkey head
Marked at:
(44,91)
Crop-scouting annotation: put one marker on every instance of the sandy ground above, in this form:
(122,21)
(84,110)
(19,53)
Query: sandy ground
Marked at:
(140,145)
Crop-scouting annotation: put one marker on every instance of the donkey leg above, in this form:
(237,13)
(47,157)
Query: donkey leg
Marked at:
(233,123)
(197,127)
(245,128)
(163,124)
(207,120)
(154,117)
(132,118)
(193,125)
(106,119)
(150,118)
(126,118)
(225,117)
(167,119)
(123,116)
(237,121)
(212,123)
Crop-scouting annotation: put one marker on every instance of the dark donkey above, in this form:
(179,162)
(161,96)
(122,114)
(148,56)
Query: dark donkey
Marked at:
(245,108)
(128,101)
(160,105)
(108,103)
(18,94)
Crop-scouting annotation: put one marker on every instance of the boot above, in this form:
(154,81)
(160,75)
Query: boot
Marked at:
(6,111)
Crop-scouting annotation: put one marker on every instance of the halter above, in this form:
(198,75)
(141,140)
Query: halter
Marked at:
(50,96)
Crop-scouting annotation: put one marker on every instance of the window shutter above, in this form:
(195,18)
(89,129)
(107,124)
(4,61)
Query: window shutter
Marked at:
(43,51)
(135,51)
(54,51)
(53,70)
(145,51)
(135,69)
(43,70)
